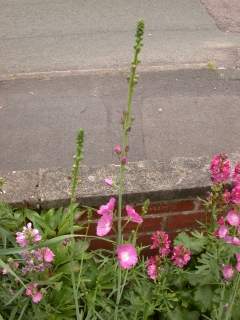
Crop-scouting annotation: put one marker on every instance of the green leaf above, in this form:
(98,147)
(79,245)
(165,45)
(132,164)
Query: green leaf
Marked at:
(203,297)
(195,243)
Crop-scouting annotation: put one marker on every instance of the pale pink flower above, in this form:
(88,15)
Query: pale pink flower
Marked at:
(48,255)
(107,208)
(228,239)
(181,256)
(233,218)
(109,182)
(152,268)
(104,225)
(236,174)
(228,272)
(235,194)
(161,241)
(28,236)
(117,149)
(220,168)
(236,241)
(33,292)
(238,261)
(133,215)
(221,232)
(127,256)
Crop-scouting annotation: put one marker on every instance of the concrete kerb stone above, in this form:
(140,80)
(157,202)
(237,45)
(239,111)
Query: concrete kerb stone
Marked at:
(180,178)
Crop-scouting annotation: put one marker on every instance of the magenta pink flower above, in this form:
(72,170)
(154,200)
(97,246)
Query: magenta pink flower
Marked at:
(152,268)
(117,149)
(127,256)
(233,218)
(107,208)
(161,241)
(33,292)
(109,182)
(236,241)
(235,194)
(221,221)
(181,256)
(28,236)
(133,215)
(222,232)
(220,168)
(236,174)
(228,272)
(104,225)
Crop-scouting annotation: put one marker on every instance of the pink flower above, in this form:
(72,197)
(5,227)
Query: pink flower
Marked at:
(107,208)
(33,292)
(236,241)
(117,149)
(235,194)
(228,272)
(233,218)
(236,174)
(109,182)
(127,256)
(181,256)
(220,168)
(227,196)
(104,225)
(221,221)
(28,236)
(152,269)
(48,255)
(124,160)
(221,232)
(133,215)
(228,239)
(161,241)
(238,261)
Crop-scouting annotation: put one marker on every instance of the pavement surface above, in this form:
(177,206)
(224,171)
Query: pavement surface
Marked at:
(225,12)
(63,66)
(43,35)
(177,113)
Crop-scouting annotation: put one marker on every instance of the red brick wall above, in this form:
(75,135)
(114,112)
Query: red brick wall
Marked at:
(171,216)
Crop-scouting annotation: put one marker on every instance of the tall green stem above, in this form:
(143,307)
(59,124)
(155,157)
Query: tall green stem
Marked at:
(74,182)
(126,123)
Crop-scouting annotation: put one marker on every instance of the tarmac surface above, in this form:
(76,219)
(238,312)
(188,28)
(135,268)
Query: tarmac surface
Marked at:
(177,113)
(63,66)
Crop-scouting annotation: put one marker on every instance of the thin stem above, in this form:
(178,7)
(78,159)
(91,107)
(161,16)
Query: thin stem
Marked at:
(126,122)
(235,291)
(74,179)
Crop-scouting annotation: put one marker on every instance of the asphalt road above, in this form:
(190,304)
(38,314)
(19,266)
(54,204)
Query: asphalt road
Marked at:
(181,113)
(78,34)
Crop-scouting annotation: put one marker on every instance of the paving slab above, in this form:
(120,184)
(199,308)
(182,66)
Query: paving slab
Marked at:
(177,113)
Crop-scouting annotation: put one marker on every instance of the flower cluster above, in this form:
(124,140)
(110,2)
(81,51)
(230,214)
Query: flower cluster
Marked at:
(28,236)
(220,168)
(180,256)
(37,260)
(33,292)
